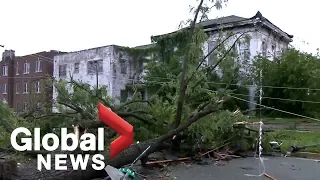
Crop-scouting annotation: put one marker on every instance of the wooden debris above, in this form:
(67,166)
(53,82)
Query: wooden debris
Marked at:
(268,176)
(169,160)
(215,149)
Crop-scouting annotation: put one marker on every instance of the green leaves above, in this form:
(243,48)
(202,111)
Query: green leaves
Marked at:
(292,69)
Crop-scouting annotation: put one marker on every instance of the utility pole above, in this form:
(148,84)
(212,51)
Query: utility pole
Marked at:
(97,77)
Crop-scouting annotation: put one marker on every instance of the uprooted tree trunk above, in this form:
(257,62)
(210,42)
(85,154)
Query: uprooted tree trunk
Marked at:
(130,154)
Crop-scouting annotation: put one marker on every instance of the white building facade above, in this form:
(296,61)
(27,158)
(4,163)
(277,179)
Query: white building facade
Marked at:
(115,66)
(108,65)
(265,39)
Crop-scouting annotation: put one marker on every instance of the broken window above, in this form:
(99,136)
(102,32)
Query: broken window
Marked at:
(264,47)
(76,68)
(62,70)
(123,67)
(95,66)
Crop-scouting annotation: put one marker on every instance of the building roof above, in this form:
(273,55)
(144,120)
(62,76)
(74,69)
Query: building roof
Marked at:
(222,20)
(236,21)
(146,46)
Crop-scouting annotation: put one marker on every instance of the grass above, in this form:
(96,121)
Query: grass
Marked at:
(296,138)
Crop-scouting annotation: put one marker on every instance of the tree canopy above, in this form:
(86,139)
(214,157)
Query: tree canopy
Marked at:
(290,82)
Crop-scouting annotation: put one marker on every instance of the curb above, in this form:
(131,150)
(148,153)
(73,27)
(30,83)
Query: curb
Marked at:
(307,155)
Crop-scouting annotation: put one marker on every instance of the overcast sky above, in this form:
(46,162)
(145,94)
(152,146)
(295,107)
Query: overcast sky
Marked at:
(30,26)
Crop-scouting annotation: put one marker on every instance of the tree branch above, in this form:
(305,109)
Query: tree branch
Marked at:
(183,85)
(131,102)
(131,114)
(77,109)
(193,118)
(88,91)
(57,114)
(228,51)
(216,47)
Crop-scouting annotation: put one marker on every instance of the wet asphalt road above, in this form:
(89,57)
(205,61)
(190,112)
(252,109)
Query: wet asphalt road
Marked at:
(280,168)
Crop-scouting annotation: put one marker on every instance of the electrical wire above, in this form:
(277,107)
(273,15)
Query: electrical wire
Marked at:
(275,109)
(281,99)
(50,60)
(242,85)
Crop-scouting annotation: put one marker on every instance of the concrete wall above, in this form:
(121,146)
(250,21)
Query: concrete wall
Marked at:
(111,75)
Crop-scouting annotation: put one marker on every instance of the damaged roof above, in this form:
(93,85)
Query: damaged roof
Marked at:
(236,21)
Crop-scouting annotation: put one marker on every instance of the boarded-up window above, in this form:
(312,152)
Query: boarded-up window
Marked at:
(123,66)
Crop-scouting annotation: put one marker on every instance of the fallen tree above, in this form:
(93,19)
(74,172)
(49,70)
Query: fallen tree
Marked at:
(129,155)
(183,102)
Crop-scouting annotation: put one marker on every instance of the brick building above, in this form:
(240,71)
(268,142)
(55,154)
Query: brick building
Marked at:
(22,79)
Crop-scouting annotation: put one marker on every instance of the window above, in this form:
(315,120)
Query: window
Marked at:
(76,68)
(273,49)
(5,70)
(123,95)
(17,88)
(244,50)
(4,88)
(17,107)
(17,69)
(37,86)
(211,46)
(94,66)
(26,68)
(123,67)
(62,70)
(25,106)
(25,88)
(264,48)
(38,66)
(143,95)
